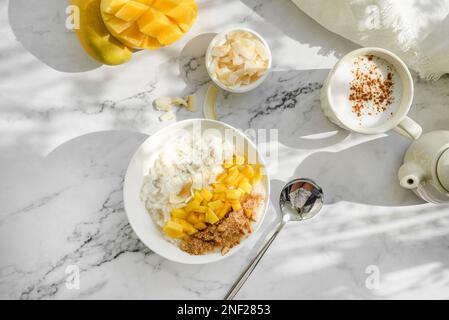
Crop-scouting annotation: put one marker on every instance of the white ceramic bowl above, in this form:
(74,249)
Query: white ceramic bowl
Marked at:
(244,88)
(139,218)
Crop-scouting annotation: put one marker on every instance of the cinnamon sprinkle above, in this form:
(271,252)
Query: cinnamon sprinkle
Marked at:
(370,93)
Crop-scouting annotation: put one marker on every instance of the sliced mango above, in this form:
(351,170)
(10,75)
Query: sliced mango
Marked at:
(132,36)
(200,226)
(233,194)
(187,227)
(112,6)
(224,210)
(118,25)
(174,230)
(211,217)
(131,11)
(211,204)
(206,194)
(95,37)
(163,21)
(166,5)
(236,205)
(215,205)
(245,185)
(179,213)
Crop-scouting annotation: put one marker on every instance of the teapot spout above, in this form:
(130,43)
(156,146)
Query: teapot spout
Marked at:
(410,175)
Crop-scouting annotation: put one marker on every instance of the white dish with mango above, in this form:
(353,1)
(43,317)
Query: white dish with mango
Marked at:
(196,196)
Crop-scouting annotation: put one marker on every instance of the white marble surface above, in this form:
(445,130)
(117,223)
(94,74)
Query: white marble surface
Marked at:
(66,138)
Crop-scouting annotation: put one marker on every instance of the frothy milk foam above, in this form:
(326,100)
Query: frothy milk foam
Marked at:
(366,91)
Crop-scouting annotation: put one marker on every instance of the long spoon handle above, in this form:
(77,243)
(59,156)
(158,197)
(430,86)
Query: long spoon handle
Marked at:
(245,275)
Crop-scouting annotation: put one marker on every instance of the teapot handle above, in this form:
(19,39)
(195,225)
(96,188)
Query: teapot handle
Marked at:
(410,175)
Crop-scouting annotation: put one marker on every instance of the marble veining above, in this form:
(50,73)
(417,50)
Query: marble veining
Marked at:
(69,127)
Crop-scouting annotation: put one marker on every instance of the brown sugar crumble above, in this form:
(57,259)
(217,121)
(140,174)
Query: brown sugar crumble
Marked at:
(370,92)
(225,234)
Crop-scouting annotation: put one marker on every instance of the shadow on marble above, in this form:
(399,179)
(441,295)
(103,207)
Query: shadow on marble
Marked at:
(287,17)
(78,196)
(192,65)
(365,173)
(71,213)
(406,248)
(39,25)
(289,102)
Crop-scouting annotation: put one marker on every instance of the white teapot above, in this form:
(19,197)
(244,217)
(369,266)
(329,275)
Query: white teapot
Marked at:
(426,167)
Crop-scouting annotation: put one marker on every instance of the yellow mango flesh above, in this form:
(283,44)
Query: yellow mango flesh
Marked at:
(209,205)
(174,230)
(148,24)
(95,37)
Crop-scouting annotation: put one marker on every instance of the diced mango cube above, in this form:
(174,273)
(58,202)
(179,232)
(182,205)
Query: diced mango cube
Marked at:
(233,194)
(248,212)
(151,43)
(132,36)
(119,25)
(187,227)
(215,205)
(236,205)
(147,2)
(211,217)
(131,11)
(160,22)
(193,218)
(245,186)
(200,209)
(248,171)
(221,176)
(202,217)
(224,210)
(157,25)
(197,196)
(200,226)
(174,230)
(112,6)
(178,213)
(219,196)
(192,206)
(206,194)
(233,169)
(238,180)
(220,188)
(170,34)
(232,178)
(166,5)
(183,14)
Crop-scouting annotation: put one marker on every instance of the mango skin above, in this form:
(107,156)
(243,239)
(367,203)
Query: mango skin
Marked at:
(95,38)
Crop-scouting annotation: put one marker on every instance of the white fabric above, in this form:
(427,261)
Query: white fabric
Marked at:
(416,30)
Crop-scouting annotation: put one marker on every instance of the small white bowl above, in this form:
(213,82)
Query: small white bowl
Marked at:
(244,88)
(139,218)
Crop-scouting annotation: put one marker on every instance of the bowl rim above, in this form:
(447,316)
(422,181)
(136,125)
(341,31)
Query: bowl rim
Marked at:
(244,88)
(157,250)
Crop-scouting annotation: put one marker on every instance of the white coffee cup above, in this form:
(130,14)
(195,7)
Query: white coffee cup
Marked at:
(398,122)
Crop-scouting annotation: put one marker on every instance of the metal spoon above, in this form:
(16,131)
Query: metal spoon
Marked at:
(299,200)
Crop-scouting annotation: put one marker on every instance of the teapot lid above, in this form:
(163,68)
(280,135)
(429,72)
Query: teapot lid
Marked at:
(443,169)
